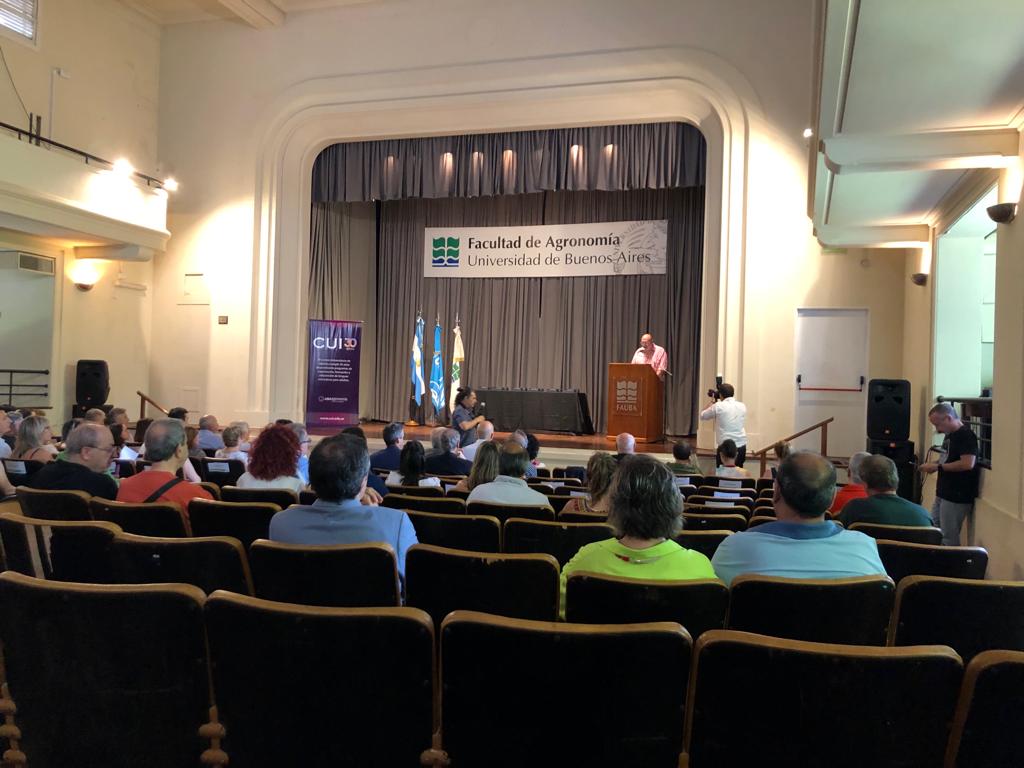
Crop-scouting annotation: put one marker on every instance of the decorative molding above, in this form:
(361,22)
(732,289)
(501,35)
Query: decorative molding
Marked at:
(261,14)
(937,150)
(891,236)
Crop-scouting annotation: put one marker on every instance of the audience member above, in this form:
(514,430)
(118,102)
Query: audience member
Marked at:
(521,437)
(854,489)
(232,438)
(243,442)
(730,416)
(727,456)
(484,434)
(533,450)
(69,425)
(95,416)
(87,453)
(283,422)
(625,445)
(35,440)
(435,442)
(167,449)
(192,439)
(305,444)
(273,460)
(120,416)
(338,468)
(600,472)
(957,484)
(645,513)
(7,439)
(179,413)
(448,463)
(509,487)
(781,449)
(485,466)
(394,438)
(376,487)
(882,505)
(209,433)
(411,469)
(463,420)
(801,543)
(685,463)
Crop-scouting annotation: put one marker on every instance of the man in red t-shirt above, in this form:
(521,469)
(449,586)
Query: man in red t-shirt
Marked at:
(167,449)
(854,489)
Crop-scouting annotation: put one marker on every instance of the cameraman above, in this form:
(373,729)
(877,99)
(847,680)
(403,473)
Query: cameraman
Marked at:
(730,415)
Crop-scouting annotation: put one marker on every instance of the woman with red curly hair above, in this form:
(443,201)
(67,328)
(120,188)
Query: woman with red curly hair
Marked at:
(273,460)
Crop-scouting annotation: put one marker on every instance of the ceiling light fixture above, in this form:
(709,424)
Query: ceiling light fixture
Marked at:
(123,168)
(171,184)
(808,132)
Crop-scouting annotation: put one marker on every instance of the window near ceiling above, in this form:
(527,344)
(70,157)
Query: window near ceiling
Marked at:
(19,16)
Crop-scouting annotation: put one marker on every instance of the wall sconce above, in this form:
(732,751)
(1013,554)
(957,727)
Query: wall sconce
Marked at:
(1003,213)
(919,278)
(84,274)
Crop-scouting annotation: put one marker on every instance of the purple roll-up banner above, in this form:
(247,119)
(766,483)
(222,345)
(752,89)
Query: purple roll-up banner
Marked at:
(332,381)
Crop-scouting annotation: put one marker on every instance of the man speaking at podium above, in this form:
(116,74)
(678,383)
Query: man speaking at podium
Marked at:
(651,354)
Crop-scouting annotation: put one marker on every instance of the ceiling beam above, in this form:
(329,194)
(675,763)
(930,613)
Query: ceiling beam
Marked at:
(987,148)
(261,14)
(889,236)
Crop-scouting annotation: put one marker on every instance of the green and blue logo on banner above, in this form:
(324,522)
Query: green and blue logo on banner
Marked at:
(445,252)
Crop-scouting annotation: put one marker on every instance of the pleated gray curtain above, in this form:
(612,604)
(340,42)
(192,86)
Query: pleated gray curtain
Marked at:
(540,332)
(607,158)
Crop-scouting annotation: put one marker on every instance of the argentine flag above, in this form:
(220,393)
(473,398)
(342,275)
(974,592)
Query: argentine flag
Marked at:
(436,374)
(458,355)
(417,361)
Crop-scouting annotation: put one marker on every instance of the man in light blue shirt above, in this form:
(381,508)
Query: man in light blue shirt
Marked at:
(801,544)
(209,438)
(337,472)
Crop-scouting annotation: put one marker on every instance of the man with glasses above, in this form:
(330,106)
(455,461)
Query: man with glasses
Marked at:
(87,454)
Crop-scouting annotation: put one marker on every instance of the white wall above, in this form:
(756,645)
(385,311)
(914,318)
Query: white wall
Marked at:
(958,316)
(26,324)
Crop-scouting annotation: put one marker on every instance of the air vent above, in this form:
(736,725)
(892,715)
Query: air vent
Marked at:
(32,263)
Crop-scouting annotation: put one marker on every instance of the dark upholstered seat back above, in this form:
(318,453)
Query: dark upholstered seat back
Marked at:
(562,540)
(245,521)
(988,729)
(693,521)
(221,471)
(210,563)
(440,505)
(160,519)
(54,505)
(282,497)
(504,511)
(902,559)
(915,534)
(705,542)
(476,533)
(57,549)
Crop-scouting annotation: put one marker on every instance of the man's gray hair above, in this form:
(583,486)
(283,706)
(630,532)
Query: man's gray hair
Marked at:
(807,483)
(879,473)
(944,409)
(393,432)
(450,441)
(300,431)
(96,415)
(520,437)
(435,437)
(163,438)
(85,435)
(625,443)
(485,431)
(855,462)
(206,421)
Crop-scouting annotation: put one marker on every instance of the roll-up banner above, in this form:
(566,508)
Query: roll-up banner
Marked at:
(332,380)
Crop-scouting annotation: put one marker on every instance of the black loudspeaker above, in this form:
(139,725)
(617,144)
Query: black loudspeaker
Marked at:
(888,409)
(92,383)
(902,454)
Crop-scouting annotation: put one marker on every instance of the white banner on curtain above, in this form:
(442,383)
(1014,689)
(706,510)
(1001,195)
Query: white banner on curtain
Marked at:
(555,250)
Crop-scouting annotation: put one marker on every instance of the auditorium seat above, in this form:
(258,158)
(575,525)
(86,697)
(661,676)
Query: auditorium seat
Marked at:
(714,509)
(713,502)
(441,580)
(699,605)
(477,533)
(430,491)
(915,534)
(283,497)
(716,522)
(764,510)
(221,471)
(440,505)
(19,470)
(340,575)
(766,701)
(765,484)
(124,468)
(54,505)
(504,511)
(968,615)
(306,498)
(111,675)
(58,549)
(452,493)
(240,520)
(903,559)
(727,493)
(757,520)
(558,500)
(729,483)
(854,611)
(312,686)
(519,693)
(562,540)
(767,493)
(211,488)
(705,542)
(144,519)
(209,563)
(988,728)
(582,517)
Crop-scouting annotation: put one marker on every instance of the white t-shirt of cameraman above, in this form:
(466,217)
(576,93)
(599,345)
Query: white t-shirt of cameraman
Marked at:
(730,415)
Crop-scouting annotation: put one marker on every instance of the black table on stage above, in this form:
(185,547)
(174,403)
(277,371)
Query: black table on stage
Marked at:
(537,410)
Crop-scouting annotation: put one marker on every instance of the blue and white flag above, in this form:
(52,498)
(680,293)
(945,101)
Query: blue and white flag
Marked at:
(436,374)
(417,362)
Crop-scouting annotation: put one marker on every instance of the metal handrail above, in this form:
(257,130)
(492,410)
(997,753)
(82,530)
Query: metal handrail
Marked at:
(144,398)
(822,425)
(9,388)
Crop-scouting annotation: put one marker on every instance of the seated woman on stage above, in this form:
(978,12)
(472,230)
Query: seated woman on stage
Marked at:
(600,471)
(463,419)
(485,467)
(645,513)
(274,460)
(410,467)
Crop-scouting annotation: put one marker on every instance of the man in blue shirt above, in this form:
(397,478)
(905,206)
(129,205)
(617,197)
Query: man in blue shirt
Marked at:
(389,458)
(209,434)
(802,544)
(338,468)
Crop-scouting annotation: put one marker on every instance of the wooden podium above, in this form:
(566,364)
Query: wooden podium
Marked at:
(635,402)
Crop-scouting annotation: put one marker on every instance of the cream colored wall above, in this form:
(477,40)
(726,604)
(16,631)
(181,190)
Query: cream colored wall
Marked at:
(108,107)
(917,344)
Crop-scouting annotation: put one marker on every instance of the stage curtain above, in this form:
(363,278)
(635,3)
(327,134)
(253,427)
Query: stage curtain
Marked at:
(599,158)
(541,332)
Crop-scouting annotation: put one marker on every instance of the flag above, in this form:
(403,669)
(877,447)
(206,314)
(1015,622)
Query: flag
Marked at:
(458,355)
(417,361)
(436,373)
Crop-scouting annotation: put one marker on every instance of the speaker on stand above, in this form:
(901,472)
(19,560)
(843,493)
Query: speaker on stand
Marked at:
(92,386)
(888,409)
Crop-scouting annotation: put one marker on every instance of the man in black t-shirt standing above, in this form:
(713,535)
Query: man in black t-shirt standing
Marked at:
(957,484)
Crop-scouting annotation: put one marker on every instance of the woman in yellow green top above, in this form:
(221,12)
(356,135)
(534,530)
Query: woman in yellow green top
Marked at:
(645,513)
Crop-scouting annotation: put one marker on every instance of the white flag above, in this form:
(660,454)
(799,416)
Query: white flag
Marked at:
(458,355)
